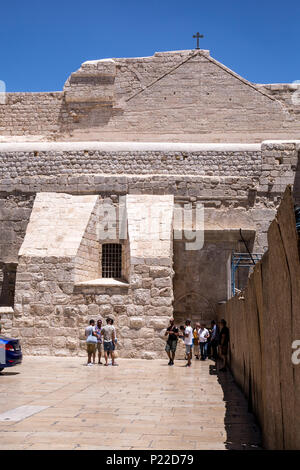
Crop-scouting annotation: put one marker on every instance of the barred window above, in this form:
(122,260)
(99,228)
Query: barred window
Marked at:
(111,260)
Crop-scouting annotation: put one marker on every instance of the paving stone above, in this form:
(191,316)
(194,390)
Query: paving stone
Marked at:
(113,408)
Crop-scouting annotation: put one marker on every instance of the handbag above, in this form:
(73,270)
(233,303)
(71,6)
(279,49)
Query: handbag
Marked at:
(91,338)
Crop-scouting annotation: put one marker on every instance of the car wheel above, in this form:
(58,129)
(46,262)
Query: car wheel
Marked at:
(1,369)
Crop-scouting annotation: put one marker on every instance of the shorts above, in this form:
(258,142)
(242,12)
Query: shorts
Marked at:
(171,346)
(99,346)
(108,346)
(91,348)
(188,348)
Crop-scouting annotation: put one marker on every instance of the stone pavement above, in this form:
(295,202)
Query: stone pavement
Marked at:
(139,405)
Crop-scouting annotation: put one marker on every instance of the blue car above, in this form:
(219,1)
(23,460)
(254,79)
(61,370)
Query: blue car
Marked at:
(10,352)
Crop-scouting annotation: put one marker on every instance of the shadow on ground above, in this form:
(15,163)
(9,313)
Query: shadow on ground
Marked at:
(243,432)
(9,373)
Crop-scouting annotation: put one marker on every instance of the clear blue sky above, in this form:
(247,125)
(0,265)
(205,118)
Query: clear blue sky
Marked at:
(42,42)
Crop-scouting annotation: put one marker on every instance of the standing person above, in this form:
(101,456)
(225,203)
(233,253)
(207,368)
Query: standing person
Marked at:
(0,325)
(109,333)
(203,335)
(224,341)
(215,331)
(99,339)
(188,341)
(208,348)
(115,341)
(91,342)
(196,340)
(171,345)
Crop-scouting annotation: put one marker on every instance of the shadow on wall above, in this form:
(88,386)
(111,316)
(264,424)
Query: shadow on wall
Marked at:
(296,188)
(263,326)
(7,284)
(83,116)
(243,432)
(195,307)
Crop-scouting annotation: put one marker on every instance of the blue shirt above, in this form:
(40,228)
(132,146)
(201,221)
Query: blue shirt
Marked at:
(215,333)
(98,333)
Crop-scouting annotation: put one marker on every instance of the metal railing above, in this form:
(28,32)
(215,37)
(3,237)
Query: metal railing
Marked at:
(241,260)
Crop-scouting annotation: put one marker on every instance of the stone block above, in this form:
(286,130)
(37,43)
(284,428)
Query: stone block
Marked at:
(123,320)
(163,282)
(60,352)
(147,283)
(141,296)
(166,292)
(132,333)
(159,344)
(72,344)
(157,323)
(159,311)
(136,322)
(41,310)
(40,341)
(141,269)
(146,333)
(135,281)
(59,342)
(119,309)
(135,310)
(28,332)
(155,292)
(127,344)
(93,310)
(37,323)
(160,271)
(118,299)
(161,301)
(102,299)
(149,355)
(26,298)
(105,310)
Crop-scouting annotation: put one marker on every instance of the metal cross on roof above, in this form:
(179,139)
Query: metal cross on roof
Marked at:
(198,36)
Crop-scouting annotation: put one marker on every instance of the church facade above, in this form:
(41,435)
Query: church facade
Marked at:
(127,194)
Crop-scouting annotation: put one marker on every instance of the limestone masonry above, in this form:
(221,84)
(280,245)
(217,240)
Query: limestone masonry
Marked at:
(181,96)
(127,154)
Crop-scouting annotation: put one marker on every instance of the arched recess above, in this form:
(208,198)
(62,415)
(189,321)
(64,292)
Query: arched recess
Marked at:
(194,306)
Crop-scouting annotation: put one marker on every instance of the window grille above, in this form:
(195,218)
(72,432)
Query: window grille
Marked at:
(111,260)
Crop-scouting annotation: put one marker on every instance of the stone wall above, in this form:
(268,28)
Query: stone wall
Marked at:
(264,321)
(287,93)
(179,96)
(241,182)
(31,114)
(15,210)
(239,185)
(87,261)
(57,293)
(19,162)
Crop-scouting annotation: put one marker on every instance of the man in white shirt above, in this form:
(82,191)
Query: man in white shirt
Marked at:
(109,335)
(188,341)
(203,334)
